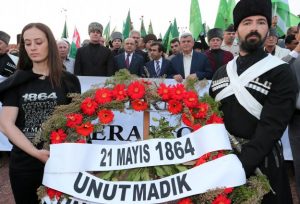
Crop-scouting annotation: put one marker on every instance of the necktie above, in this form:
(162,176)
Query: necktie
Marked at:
(127,61)
(157,68)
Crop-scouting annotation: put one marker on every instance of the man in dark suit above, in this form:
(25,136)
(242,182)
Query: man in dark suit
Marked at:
(189,64)
(158,66)
(130,60)
(94,59)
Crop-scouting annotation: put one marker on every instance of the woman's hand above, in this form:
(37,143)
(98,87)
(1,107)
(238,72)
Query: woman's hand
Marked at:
(42,155)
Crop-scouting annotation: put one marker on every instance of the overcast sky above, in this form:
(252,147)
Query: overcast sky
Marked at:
(15,14)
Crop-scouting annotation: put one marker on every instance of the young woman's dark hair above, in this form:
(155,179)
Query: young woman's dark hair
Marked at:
(54,62)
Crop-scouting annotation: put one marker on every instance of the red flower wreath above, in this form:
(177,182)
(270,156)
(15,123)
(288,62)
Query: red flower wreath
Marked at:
(139,94)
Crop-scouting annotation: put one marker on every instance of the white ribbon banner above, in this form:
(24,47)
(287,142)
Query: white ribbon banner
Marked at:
(70,157)
(226,171)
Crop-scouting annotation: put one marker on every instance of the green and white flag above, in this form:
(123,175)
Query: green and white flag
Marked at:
(150,28)
(286,19)
(196,26)
(127,26)
(106,33)
(143,29)
(75,44)
(65,31)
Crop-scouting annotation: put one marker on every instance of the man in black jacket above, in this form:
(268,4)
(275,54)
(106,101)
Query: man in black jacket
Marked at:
(8,62)
(257,92)
(94,59)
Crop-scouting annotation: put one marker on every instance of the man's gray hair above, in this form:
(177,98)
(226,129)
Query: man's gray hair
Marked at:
(186,34)
(134,31)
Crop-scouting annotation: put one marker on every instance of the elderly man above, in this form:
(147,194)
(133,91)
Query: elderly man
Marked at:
(188,63)
(8,62)
(129,59)
(63,50)
(257,92)
(216,56)
(94,59)
(136,35)
(272,47)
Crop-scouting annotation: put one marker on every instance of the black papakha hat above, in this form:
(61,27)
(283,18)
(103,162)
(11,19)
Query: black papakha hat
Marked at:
(215,33)
(246,8)
(4,37)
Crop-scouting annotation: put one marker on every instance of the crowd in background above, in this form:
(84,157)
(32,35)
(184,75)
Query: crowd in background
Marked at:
(189,57)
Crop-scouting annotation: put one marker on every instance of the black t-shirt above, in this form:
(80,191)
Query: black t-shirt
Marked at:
(36,100)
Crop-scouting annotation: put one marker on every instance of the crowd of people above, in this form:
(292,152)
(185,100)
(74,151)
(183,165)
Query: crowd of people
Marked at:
(255,75)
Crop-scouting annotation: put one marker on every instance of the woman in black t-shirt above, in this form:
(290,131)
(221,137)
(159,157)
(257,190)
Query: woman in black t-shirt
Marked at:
(29,97)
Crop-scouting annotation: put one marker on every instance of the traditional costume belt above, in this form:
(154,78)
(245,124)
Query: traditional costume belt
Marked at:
(277,151)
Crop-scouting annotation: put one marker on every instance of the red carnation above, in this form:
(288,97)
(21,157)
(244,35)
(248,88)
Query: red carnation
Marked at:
(73,119)
(139,105)
(88,106)
(196,126)
(119,92)
(174,107)
(103,95)
(53,194)
(190,99)
(136,90)
(214,118)
(186,120)
(105,116)
(85,129)
(178,92)
(164,91)
(221,199)
(201,110)
(185,201)
(228,190)
(58,137)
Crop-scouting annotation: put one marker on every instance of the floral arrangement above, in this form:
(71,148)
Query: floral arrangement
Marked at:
(72,123)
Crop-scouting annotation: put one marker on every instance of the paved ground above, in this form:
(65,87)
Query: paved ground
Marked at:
(7,198)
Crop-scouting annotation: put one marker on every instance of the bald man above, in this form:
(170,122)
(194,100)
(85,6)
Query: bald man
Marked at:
(129,59)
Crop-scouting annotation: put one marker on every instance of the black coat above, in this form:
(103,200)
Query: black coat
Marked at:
(94,60)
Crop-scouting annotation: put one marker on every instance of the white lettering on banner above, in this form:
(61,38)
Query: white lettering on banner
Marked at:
(209,138)
(226,171)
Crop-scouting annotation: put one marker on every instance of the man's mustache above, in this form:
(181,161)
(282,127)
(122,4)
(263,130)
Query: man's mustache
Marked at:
(253,34)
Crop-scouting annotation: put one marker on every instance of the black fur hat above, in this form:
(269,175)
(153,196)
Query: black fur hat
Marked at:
(215,33)
(4,37)
(246,8)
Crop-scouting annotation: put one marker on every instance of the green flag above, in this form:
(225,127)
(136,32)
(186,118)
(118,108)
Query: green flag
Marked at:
(65,31)
(165,40)
(222,15)
(75,44)
(230,6)
(168,46)
(150,28)
(127,26)
(175,32)
(196,26)
(143,30)
(106,33)
(286,19)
